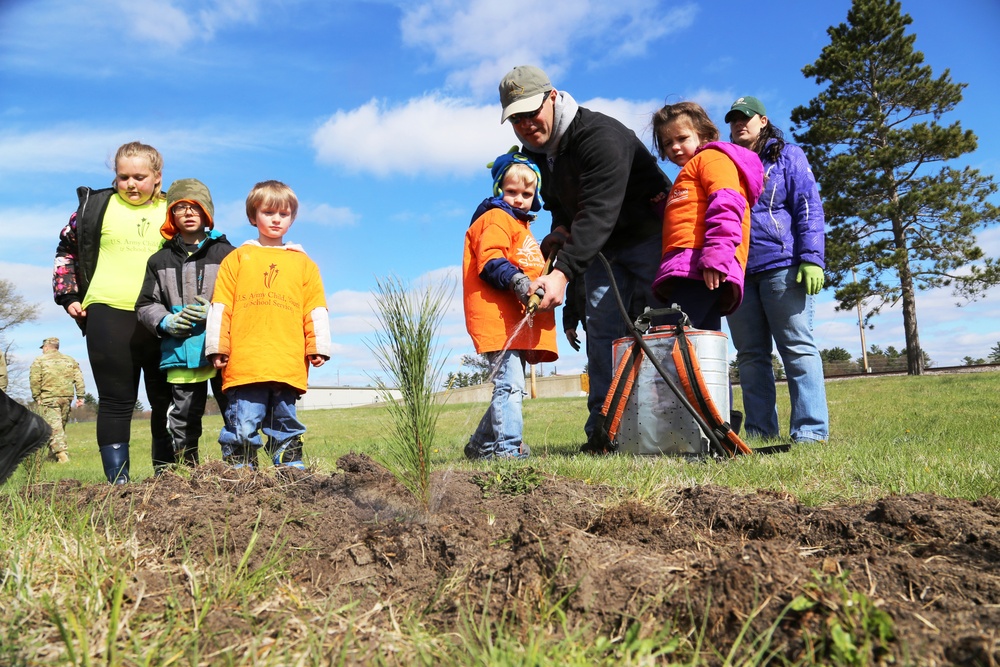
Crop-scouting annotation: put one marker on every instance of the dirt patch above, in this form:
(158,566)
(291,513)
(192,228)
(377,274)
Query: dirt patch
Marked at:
(701,557)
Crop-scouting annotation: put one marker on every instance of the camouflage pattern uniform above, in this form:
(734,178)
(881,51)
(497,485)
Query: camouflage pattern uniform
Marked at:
(3,371)
(54,376)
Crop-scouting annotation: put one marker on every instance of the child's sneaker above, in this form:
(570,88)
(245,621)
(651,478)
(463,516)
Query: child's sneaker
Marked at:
(289,454)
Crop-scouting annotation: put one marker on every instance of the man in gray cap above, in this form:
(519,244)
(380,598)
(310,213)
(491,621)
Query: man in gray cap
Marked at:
(606,194)
(54,377)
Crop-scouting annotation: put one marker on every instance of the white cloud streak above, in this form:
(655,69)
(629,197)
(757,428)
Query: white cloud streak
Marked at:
(430,133)
(478,32)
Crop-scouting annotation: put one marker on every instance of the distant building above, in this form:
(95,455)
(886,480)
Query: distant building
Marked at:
(324,398)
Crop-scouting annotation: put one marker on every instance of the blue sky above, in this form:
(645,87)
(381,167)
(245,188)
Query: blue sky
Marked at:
(382,116)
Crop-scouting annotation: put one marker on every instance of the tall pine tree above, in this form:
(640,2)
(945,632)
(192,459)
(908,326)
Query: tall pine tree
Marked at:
(874,139)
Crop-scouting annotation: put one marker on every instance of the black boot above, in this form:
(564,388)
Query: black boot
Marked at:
(21,433)
(163,454)
(599,444)
(115,460)
(735,421)
(189,456)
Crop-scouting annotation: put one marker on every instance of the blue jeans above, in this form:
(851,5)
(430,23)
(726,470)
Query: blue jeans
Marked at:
(774,305)
(500,431)
(634,269)
(262,407)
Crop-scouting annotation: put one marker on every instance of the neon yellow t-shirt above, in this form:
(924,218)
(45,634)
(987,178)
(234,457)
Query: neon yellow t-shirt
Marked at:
(129,235)
(190,375)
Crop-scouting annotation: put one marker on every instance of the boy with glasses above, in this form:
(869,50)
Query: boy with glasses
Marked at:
(173,304)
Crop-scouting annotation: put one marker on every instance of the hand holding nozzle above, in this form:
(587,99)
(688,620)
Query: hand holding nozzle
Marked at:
(539,294)
(534,300)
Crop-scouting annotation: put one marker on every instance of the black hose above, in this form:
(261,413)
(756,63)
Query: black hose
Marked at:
(714,444)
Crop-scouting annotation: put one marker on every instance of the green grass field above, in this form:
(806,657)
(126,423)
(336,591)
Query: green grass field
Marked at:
(890,435)
(66,596)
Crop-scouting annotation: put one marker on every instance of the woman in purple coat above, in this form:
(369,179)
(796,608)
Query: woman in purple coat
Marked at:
(784,271)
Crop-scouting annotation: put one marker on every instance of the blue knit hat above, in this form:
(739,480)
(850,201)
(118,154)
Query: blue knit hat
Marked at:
(499,167)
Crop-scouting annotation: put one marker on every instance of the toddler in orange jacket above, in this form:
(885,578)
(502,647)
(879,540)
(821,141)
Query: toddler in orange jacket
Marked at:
(500,263)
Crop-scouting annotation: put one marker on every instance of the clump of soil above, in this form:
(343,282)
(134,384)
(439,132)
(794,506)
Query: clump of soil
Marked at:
(705,556)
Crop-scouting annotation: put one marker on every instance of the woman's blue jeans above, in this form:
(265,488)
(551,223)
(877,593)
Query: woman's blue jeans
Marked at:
(775,306)
(500,431)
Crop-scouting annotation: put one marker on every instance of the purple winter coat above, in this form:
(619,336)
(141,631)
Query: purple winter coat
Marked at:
(787,222)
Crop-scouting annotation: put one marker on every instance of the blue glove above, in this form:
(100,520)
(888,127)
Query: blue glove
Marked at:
(812,275)
(176,325)
(196,312)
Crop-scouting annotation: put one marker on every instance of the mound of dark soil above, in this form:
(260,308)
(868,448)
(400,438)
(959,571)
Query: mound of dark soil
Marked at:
(701,557)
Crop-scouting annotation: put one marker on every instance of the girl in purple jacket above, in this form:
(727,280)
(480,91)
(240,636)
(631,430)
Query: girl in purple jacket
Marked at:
(784,270)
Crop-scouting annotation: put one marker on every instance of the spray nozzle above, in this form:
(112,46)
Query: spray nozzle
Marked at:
(534,300)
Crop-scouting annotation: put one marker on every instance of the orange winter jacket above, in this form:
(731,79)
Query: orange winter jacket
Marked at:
(268,313)
(491,314)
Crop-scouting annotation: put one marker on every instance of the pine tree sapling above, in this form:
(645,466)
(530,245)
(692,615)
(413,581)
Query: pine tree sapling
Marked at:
(404,347)
(894,210)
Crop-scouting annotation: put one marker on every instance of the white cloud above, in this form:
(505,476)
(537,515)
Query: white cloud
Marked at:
(634,114)
(478,32)
(221,14)
(438,133)
(429,133)
(155,22)
(328,216)
(39,223)
(74,149)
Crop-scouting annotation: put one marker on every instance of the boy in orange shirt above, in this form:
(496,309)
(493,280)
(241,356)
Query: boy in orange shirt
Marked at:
(501,261)
(267,323)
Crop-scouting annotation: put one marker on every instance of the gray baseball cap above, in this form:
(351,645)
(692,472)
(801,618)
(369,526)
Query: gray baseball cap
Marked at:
(523,89)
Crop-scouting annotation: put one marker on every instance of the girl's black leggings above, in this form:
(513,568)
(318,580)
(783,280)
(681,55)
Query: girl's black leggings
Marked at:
(120,348)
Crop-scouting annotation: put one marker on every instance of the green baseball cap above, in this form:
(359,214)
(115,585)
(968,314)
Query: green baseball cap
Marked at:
(52,342)
(523,89)
(748,106)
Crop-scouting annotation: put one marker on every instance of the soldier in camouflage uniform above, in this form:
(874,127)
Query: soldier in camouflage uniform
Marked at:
(54,376)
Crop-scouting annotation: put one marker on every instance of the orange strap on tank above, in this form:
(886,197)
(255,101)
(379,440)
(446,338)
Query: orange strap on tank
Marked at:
(620,389)
(689,373)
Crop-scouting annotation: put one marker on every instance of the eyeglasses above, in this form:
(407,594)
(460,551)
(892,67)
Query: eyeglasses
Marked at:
(181,209)
(518,118)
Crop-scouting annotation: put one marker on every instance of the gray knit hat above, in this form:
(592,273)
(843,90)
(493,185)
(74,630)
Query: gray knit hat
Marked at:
(190,190)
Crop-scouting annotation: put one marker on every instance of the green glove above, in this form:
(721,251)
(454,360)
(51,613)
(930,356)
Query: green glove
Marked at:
(812,274)
(196,312)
